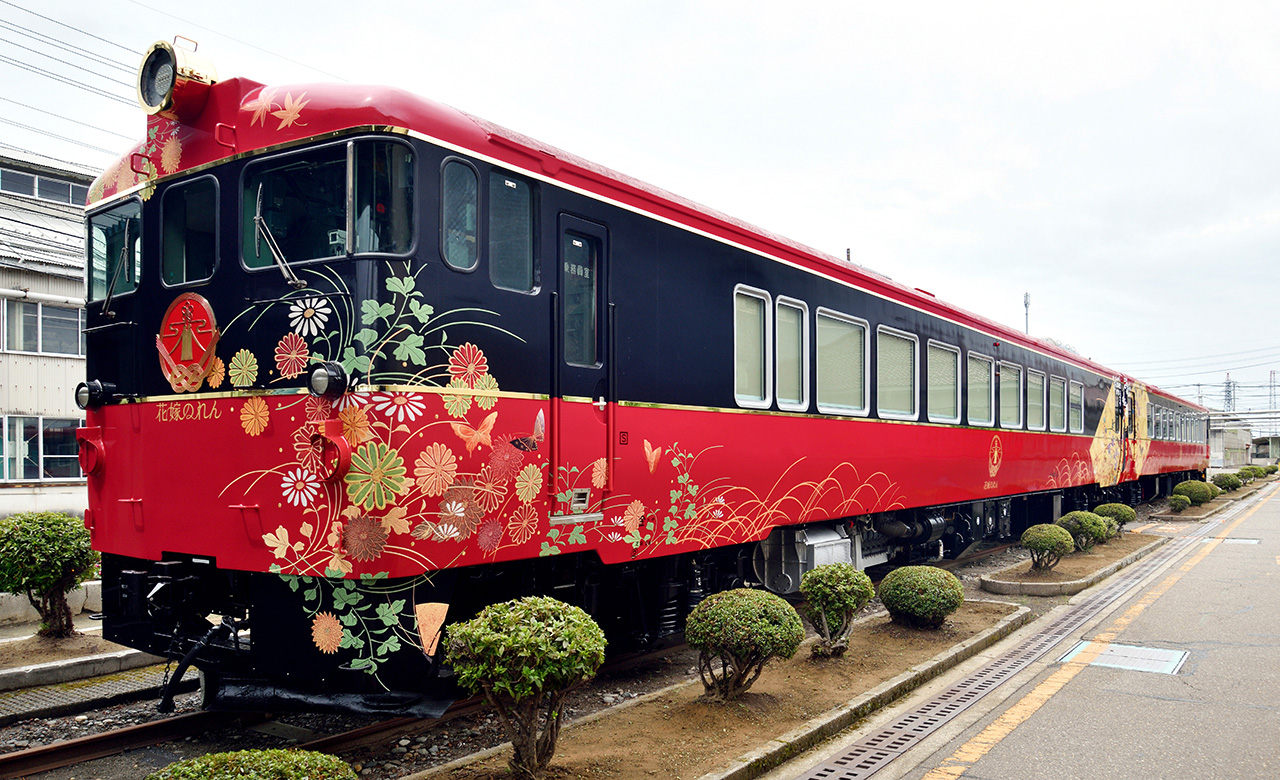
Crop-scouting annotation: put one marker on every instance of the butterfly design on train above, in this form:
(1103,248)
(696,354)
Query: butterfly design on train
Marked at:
(652,454)
(530,443)
(474,437)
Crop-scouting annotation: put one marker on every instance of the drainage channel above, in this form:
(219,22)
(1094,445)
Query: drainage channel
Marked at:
(872,753)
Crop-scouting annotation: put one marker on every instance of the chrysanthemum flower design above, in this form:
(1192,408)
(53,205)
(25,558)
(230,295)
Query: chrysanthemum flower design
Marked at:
(599,473)
(307,316)
(308,453)
(364,538)
(376,476)
(356,427)
(217,371)
(401,407)
(468,364)
(291,356)
(254,416)
(326,632)
(523,522)
(300,487)
(435,469)
(528,483)
(490,535)
(244,369)
(632,516)
(505,460)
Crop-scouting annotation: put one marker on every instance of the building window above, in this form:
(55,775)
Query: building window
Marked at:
(1035,400)
(842,363)
(43,328)
(792,363)
(43,187)
(750,338)
(511,243)
(39,449)
(1057,404)
(981,393)
(944,383)
(1010,396)
(896,370)
(1077,407)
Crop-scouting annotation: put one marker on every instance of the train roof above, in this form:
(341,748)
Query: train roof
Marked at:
(242,117)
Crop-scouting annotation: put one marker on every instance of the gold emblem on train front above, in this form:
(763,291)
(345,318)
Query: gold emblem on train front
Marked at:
(186,341)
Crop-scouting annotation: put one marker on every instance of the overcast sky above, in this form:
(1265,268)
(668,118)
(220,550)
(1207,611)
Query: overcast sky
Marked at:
(1119,162)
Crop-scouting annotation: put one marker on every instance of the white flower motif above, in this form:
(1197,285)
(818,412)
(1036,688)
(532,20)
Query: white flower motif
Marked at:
(613,536)
(402,407)
(349,399)
(453,510)
(447,531)
(300,487)
(307,316)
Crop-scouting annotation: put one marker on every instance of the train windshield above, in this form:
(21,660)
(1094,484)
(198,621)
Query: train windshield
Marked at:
(302,204)
(114,260)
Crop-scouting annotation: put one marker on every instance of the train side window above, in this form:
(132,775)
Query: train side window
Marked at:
(511,222)
(1010,395)
(842,363)
(115,262)
(1057,404)
(1035,400)
(460,204)
(943,401)
(581,257)
(751,335)
(1077,407)
(981,392)
(896,372)
(1151,421)
(189,237)
(791,330)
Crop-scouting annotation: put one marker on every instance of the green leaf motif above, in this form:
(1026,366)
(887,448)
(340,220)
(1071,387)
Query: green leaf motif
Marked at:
(371,312)
(390,646)
(350,640)
(346,598)
(349,619)
(354,363)
(577,537)
(422,311)
(410,349)
(403,286)
(366,336)
(548,549)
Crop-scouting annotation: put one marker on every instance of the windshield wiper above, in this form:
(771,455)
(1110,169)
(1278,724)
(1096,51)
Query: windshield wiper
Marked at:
(261,231)
(115,277)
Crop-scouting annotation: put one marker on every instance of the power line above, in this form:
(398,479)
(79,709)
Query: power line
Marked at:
(94,169)
(55,135)
(1176,361)
(237,40)
(69,27)
(68,64)
(49,40)
(65,80)
(69,119)
(41,227)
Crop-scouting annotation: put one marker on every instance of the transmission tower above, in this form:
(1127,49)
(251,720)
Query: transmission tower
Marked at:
(1228,396)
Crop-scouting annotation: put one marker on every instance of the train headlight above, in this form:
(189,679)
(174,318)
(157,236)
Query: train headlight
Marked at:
(328,380)
(174,82)
(94,393)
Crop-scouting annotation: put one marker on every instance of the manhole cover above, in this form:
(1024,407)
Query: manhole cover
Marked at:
(1139,659)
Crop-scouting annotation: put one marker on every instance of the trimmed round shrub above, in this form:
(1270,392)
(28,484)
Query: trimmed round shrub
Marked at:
(736,632)
(258,765)
(921,596)
(1227,482)
(833,595)
(1214,491)
(1047,543)
(526,655)
(1178,503)
(1086,528)
(1121,513)
(1271,468)
(1197,492)
(1251,472)
(44,556)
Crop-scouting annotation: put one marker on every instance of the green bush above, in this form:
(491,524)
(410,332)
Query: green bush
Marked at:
(833,594)
(526,655)
(258,765)
(921,596)
(1247,473)
(1086,528)
(1227,482)
(1271,469)
(44,556)
(1121,513)
(1047,543)
(1214,491)
(1197,492)
(1178,503)
(741,630)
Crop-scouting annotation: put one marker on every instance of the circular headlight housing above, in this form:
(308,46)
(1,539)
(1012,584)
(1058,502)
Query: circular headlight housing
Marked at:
(94,393)
(156,78)
(328,380)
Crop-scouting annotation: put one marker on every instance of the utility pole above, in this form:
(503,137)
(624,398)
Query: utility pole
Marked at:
(1228,397)
(1026,304)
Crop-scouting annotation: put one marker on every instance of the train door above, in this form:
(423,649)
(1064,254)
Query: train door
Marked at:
(580,407)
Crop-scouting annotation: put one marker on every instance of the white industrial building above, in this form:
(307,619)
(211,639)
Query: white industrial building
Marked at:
(42,357)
